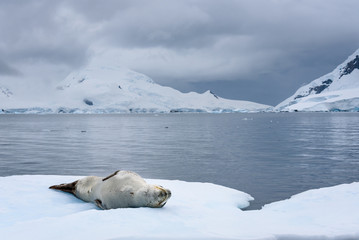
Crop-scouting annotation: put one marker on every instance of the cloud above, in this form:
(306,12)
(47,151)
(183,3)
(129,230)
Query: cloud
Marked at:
(243,34)
(180,43)
(40,31)
(5,69)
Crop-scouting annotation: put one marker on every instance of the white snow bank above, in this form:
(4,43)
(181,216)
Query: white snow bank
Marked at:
(29,210)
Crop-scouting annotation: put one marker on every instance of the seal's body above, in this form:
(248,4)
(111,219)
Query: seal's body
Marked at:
(119,190)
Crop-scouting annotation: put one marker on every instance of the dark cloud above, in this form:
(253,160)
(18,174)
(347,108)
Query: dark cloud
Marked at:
(5,69)
(38,31)
(174,24)
(235,47)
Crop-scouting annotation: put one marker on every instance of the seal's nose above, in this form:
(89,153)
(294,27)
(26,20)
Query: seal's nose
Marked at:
(169,194)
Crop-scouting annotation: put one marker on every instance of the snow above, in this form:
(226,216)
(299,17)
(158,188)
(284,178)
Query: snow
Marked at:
(104,87)
(335,91)
(30,210)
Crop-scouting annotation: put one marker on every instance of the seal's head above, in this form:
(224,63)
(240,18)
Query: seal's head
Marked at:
(157,196)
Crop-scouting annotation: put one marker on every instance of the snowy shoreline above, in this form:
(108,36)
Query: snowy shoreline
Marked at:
(61,111)
(30,210)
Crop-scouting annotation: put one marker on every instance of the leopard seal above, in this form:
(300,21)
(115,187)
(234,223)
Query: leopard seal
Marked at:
(121,189)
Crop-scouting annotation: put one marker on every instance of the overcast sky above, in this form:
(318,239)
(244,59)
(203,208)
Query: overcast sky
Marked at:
(257,50)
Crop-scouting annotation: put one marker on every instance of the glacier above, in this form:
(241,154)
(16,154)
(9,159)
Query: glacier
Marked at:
(29,210)
(102,87)
(335,91)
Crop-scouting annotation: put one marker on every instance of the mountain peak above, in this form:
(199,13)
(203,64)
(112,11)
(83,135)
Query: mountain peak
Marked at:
(100,88)
(335,91)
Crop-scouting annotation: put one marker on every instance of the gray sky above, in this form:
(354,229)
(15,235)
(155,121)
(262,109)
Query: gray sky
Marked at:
(257,50)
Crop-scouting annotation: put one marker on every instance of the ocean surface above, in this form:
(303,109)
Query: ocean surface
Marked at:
(268,155)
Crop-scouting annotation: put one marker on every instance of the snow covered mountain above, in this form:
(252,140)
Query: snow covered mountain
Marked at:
(335,91)
(114,89)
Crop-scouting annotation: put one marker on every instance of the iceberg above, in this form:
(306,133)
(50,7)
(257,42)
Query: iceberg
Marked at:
(30,210)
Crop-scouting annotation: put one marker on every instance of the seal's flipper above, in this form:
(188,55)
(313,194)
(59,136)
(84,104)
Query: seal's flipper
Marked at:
(66,187)
(98,203)
(110,176)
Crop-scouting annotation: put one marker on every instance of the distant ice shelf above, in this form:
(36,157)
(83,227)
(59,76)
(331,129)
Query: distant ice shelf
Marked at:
(118,110)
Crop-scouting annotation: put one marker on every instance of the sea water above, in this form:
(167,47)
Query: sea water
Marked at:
(268,155)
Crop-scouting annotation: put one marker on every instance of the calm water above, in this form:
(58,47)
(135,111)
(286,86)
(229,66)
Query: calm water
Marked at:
(269,155)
